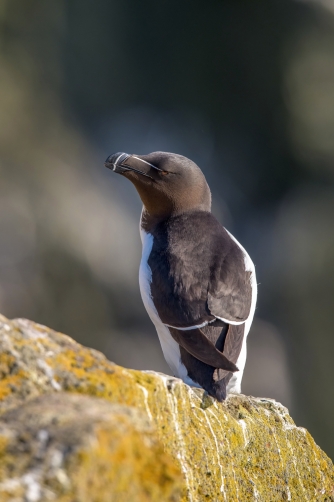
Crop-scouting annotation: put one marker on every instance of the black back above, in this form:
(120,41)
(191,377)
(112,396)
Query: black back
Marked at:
(198,272)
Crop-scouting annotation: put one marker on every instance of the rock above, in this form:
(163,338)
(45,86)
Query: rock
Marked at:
(67,447)
(244,449)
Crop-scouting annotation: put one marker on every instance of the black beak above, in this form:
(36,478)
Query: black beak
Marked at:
(117,162)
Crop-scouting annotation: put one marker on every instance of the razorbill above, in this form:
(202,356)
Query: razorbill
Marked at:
(197,282)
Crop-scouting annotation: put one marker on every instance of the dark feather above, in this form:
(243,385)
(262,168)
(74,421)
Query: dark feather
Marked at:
(198,273)
(198,345)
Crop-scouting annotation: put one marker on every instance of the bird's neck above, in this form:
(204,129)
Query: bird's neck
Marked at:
(148,221)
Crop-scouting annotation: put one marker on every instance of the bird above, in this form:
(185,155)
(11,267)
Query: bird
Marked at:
(197,282)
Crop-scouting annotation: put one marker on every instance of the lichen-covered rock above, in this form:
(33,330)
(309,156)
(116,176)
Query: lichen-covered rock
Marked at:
(245,449)
(67,447)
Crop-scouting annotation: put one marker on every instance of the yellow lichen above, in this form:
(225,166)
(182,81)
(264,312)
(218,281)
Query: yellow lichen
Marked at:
(122,455)
(243,449)
(11,383)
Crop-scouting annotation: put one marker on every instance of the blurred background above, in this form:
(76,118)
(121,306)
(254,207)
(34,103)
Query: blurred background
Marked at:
(246,90)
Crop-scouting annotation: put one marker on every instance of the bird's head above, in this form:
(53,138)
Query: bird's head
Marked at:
(167,183)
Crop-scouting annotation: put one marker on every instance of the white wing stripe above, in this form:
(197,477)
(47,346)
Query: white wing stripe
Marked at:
(190,327)
(206,323)
(235,323)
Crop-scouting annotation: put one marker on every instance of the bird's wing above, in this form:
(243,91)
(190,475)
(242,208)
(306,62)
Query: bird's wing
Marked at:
(201,279)
(230,290)
(232,346)
(198,345)
(201,282)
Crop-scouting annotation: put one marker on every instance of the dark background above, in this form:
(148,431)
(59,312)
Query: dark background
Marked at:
(245,89)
